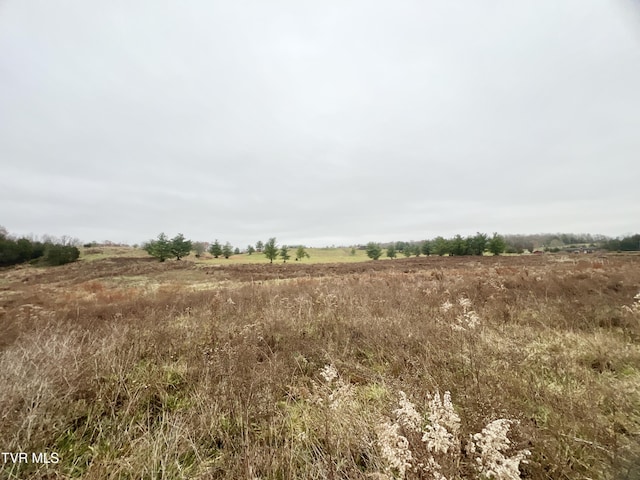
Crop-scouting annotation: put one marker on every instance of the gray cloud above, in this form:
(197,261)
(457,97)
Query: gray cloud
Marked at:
(332,122)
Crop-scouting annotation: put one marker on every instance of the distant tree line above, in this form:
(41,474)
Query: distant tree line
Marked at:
(164,248)
(498,244)
(551,241)
(557,242)
(49,251)
(478,244)
(455,246)
(629,243)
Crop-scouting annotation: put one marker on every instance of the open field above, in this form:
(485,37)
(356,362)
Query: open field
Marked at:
(129,368)
(317,255)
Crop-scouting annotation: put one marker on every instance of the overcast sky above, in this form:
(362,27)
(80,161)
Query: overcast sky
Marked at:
(324,122)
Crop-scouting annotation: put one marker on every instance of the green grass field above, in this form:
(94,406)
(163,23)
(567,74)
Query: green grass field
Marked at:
(316,255)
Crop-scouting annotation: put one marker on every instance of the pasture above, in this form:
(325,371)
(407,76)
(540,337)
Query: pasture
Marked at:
(316,255)
(124,367)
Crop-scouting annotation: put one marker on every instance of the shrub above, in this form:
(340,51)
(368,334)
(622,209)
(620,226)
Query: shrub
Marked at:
(55,255)
(227,250)
(22,250)
(497,244)
(302,253)
(391,251)
(159,248)
(180,247)
(373,251)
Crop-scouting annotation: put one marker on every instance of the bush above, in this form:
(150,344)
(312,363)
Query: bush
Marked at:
(373,251)
(159,248)
(8,252)
(55,255)
(13,252)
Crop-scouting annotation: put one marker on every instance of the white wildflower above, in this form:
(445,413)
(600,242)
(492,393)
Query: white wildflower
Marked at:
(442,412)
(395,448)
(464,302)
(441,434)
(467,319)
(635,306)
(407,414)
(438,439)
(446,306)
(471,446)
(432,467)
(341,395)
(450,418)
(329,373)
(471,319)
(492,442)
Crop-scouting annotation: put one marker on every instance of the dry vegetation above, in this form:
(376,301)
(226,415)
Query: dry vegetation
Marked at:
(129,368)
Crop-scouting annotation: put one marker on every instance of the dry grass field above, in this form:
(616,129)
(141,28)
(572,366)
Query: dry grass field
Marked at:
(127,368)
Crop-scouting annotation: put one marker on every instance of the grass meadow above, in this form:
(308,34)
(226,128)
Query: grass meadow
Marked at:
(419,368)
(316,255)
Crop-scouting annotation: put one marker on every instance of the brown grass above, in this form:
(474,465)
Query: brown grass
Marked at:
(128,368)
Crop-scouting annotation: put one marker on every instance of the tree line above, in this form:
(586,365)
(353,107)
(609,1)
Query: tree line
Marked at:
(54,251)
(458,245)
(498,244)
(178,247)
(163,248)
(630,243)
(49,251)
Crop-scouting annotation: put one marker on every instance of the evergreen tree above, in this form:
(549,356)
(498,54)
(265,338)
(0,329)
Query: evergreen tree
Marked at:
(458,246)
(425,248)
(159,248)
(301,253)
(440,246)
(497,244)
(477,244)
(215,249)
(60,254)
(259,246)
(630,243)
(180,247)
(14,251)
(284,253)
(227,250)
(250,249)
(391,251)
(270,249)
(373,251)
